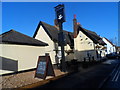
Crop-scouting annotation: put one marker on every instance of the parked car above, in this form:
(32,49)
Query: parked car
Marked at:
(118,56)
(111,56)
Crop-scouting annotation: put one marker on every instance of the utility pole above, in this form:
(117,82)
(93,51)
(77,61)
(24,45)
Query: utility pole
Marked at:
(116,41)
(60,16)
(118,24)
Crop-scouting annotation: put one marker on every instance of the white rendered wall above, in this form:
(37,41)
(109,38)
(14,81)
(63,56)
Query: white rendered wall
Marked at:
(27,56)
(110,47)
(43,36)
(83,46)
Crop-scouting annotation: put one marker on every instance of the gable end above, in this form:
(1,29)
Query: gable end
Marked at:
(40,24)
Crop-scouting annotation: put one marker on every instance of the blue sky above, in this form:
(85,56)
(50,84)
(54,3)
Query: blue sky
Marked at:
(101,17)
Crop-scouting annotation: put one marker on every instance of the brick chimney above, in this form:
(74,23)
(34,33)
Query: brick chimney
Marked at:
(56,24)
(79,24)
(75,27)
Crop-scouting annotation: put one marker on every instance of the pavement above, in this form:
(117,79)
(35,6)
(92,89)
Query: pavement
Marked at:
(34,85)
(26,80)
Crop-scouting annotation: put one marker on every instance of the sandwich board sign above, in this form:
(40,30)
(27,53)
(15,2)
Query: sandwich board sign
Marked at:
(44,67)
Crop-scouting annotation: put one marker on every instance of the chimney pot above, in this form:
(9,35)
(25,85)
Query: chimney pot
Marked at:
(78,23)
(74,16)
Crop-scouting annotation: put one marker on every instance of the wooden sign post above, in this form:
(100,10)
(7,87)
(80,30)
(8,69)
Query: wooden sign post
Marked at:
(60,16)
(44,67)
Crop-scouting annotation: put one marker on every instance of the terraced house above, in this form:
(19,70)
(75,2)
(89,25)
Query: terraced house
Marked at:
(81,44)
(87,44)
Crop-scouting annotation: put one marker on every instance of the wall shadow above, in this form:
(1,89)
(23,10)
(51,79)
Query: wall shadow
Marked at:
(8,64)
(87,55)
(87,58)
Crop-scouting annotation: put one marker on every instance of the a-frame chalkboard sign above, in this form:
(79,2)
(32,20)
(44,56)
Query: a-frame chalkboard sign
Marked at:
(44,67)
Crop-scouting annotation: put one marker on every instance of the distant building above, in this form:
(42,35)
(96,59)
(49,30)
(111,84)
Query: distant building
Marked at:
(19,52)
(111,48)
(118,50)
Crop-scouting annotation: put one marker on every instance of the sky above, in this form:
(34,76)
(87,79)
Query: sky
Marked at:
(100,17)
(60,0)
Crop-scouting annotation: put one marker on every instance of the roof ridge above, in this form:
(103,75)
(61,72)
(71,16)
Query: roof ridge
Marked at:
(26,35)
(48,24)
(109,41)
(25,39)
(91,34)
(55,27)
(6,33)
(10,31)
(90,31)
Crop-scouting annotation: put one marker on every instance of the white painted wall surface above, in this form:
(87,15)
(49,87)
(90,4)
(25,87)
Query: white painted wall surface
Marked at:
(110,47)
(83,45)
(101,51)
(70,56)
(43,36)
(27,56)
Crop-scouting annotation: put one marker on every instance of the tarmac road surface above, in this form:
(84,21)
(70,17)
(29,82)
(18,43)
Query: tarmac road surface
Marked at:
(114,79)
(91,77)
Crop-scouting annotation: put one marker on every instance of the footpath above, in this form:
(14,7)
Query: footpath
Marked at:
(26,79)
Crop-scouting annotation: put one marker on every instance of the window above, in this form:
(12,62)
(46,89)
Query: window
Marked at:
(86,38)
(89,42)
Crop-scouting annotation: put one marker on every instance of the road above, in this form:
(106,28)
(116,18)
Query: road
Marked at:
(113,79)
(92,77)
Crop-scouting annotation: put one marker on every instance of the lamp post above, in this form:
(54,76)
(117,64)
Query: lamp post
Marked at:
(60,17)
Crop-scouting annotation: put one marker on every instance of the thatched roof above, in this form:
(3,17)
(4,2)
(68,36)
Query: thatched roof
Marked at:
(52,32)
(92,35)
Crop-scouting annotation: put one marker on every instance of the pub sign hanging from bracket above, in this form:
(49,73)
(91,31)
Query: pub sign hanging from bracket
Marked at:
(60,15)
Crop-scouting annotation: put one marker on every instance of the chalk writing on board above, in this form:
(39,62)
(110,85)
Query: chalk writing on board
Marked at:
(41,67)
(44,67)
